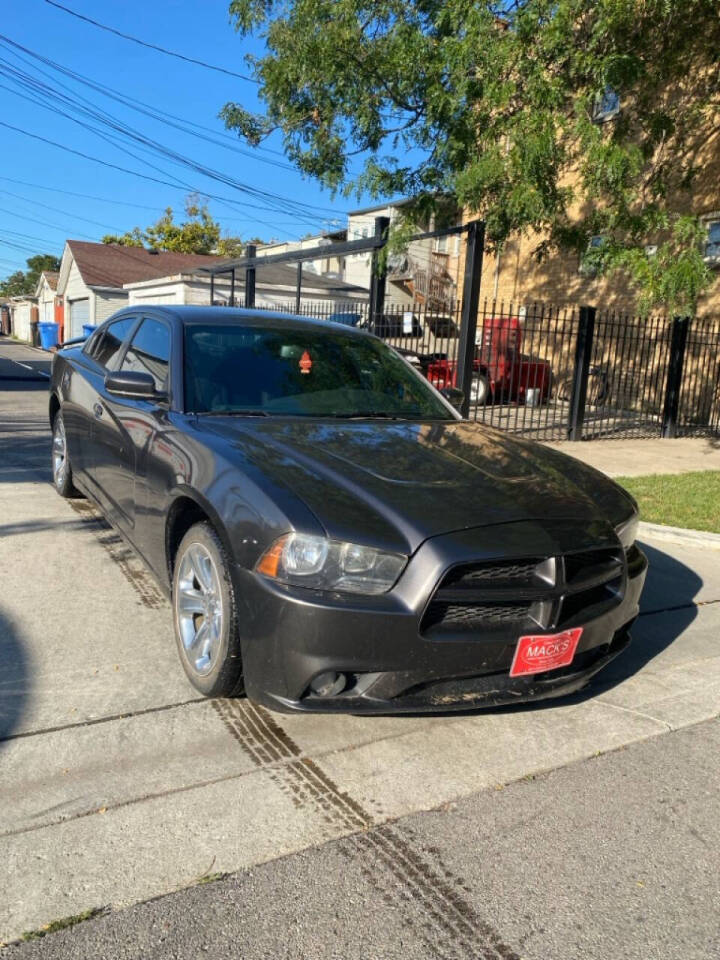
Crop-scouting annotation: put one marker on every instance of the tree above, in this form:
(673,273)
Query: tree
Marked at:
(24,283)
(497,104)
(199,233)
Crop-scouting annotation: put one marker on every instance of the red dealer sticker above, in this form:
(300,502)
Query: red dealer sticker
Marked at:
(535,654)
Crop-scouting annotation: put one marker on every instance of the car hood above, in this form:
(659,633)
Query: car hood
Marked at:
(399,483)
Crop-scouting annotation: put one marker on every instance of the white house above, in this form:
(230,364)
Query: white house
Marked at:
(92,278)
(328,263)
(275,287)
(23,311)
(46,293)
(425,274)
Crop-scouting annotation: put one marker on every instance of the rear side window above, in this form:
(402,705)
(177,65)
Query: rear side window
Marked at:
(149,352)
(110,345)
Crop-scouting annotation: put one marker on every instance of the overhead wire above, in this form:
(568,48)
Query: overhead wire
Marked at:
(152,46)
(269,199)
(161,116)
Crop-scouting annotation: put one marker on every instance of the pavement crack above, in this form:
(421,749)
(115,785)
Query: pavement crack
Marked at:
(636,713)
(107,719)
(679,606)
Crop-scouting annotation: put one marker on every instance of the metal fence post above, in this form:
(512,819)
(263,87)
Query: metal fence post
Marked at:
(298,287)
(232,287)
(678,340)
(378,276)
(470,303)
(212,289)
(583,352)
(250,251)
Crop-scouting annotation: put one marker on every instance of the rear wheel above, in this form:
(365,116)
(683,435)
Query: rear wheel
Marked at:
(62,471)
(205,614)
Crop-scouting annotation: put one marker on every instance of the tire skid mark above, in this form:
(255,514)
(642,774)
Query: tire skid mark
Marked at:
(400,874)
(122,554)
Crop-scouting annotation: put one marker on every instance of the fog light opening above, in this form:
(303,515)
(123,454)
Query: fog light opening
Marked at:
(328,684)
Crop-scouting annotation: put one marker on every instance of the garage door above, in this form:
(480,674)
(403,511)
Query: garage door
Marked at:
(79,314)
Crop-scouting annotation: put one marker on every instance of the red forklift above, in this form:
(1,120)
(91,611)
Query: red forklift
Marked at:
(501,373)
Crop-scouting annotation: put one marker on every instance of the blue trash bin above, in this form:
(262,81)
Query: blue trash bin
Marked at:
(48,335)
(87,329)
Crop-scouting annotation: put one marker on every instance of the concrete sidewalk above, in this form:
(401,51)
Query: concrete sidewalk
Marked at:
(611,859)
(635,458)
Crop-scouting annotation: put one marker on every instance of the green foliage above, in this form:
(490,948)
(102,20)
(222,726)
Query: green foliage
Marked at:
(133,238)
(24,283)
(199,233)
(493,103)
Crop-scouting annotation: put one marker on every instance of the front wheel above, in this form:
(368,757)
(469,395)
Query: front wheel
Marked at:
(205,614)
(62,471)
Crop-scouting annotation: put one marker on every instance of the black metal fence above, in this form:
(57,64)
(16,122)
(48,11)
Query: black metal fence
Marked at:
(542,371)
(559,373)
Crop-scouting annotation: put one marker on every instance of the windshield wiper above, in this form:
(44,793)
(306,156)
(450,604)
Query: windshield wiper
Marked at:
(234,413)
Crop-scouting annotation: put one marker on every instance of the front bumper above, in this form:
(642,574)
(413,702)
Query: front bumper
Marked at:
(392,665)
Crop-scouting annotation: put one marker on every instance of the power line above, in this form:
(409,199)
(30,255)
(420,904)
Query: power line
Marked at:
(43,223)
(270,200)
(66,213)
(152,46)
(82,196)
(155,113)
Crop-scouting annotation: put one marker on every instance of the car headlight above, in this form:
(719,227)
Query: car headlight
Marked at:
(322,564)
(627,531)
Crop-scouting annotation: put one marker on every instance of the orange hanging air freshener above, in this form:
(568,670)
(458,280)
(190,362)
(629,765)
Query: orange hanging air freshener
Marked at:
(305,363)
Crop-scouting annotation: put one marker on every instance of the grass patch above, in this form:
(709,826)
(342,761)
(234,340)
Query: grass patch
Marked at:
(678,500)
(61,924)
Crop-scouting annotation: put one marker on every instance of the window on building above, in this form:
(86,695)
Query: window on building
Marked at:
(607,105)
(441,244)
(712,245)
(589,262)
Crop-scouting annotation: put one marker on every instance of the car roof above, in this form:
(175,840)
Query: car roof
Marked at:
(187,315)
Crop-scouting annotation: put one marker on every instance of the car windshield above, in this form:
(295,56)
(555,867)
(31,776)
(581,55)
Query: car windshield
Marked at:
(312,372)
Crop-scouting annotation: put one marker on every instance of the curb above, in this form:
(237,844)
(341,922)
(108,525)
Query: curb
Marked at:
(688,538)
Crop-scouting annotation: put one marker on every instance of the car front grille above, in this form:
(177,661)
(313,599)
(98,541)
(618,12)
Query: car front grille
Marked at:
(530,594)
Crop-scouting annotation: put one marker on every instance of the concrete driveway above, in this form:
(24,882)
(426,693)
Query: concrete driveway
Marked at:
(118,784)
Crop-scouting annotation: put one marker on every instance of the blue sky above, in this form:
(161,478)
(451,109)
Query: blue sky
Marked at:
(33,219)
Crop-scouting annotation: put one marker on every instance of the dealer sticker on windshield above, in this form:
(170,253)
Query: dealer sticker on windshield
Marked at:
(536,654)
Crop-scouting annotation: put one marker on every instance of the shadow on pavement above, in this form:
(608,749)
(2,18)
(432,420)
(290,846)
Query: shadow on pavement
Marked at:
(670,588)
(14,678)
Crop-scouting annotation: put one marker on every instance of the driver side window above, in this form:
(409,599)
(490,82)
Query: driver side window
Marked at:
(109,347)
(149,352)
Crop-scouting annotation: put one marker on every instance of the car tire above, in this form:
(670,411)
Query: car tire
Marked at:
(479,389)
(205,614)
(61,468)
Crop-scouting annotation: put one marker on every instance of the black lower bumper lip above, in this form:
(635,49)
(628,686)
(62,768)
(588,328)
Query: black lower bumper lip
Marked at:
(461,693)
(388,666)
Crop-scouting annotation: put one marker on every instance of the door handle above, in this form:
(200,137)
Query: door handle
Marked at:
(97,410)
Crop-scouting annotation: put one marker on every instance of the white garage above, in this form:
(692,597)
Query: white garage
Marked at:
(78,314)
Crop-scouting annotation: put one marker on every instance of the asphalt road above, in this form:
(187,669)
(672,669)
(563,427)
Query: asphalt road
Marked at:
(498,834)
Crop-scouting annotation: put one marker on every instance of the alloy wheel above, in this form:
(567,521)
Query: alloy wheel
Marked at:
(59,453)
(199,608)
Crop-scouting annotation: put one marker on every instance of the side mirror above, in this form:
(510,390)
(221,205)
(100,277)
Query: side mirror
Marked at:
(130,383)
(454,396)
